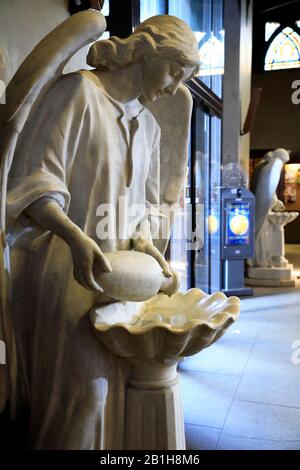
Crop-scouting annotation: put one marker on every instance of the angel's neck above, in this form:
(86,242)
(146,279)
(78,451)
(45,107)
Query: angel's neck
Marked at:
(123,85)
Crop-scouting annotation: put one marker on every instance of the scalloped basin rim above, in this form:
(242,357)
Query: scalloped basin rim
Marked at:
(193,298)
(189,325)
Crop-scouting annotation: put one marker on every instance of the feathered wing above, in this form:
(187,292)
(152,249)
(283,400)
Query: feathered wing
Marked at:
(173,114)
(44,65)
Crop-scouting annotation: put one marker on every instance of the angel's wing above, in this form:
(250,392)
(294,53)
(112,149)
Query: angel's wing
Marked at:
(45,64)
(173,114)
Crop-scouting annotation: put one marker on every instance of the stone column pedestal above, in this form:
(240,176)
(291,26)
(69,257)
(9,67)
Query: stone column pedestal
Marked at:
(154,414)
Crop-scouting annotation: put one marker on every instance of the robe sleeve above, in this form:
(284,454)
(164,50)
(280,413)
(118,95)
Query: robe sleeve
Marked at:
(43,158)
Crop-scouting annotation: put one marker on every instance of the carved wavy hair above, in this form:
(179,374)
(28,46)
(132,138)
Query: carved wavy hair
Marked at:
(162,35)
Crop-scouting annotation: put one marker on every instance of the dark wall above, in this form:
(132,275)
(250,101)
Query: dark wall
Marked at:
(277,122)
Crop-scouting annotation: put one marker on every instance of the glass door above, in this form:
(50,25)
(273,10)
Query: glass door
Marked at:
(194,249)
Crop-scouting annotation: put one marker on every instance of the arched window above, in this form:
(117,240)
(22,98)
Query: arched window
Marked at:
(212,55)
(284,47)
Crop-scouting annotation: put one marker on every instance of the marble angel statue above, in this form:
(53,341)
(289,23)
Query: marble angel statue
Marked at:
(72,144)
(265,180)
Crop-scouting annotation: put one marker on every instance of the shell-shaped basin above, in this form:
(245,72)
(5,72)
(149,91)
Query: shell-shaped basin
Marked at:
(282,218)
(166,327)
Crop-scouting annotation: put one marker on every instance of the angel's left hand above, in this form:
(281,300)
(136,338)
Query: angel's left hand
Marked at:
(144,246)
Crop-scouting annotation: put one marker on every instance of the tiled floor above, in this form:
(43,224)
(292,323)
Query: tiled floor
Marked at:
(244,391)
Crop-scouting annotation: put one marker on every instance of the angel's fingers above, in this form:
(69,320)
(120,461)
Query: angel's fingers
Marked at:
(103,261)
(90,280)
(93,284)
(155,253)
(79,277)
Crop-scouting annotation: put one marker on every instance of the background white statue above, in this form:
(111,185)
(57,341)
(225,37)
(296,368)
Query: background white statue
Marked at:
(264,184)
(73,144)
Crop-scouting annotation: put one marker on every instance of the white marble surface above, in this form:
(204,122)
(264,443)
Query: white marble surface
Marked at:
(264,184)
(77,141)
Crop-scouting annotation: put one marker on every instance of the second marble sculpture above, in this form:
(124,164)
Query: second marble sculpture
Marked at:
(269,265)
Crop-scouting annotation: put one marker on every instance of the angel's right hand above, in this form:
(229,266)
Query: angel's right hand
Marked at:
(85,253)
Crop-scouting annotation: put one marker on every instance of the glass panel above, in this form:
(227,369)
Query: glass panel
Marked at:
(179,246)
(270,28)
(206,19)
(202,278)
(213,225)
(208,183)
(151,8)
(284,51)
(105,8)
(203,244)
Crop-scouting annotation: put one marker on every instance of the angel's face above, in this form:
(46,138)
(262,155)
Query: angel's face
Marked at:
(162,77)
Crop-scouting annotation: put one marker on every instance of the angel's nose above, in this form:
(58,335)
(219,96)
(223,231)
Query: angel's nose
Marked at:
(171,89)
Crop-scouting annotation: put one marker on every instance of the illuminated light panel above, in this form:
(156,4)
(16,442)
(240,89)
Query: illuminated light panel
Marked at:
(284,51)
(212,224)
(239,225)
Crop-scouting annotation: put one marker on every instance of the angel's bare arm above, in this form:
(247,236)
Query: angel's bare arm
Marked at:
(85,252)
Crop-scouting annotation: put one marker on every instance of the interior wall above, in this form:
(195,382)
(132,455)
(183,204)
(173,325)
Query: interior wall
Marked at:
(23,23)
(277,120)
(231,99)
(245,78)
(237,80)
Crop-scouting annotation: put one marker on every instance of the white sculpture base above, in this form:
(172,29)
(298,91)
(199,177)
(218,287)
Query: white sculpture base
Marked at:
(271,277)
(154,416)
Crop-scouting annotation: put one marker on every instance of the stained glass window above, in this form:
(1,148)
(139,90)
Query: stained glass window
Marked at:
(206,19)
(212,56)
(105,8)
(270,28)
(284,51)
(298,23)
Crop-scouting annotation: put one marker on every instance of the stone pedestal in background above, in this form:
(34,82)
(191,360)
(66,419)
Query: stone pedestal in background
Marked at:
(280,272)
(271,277)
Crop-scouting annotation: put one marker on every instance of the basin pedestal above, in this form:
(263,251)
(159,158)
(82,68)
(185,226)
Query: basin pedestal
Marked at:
(153,338)
(154,415)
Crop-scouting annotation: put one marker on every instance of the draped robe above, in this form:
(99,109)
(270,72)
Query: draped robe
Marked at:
(86,151)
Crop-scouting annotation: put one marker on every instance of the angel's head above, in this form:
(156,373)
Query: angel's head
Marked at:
(164,45)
